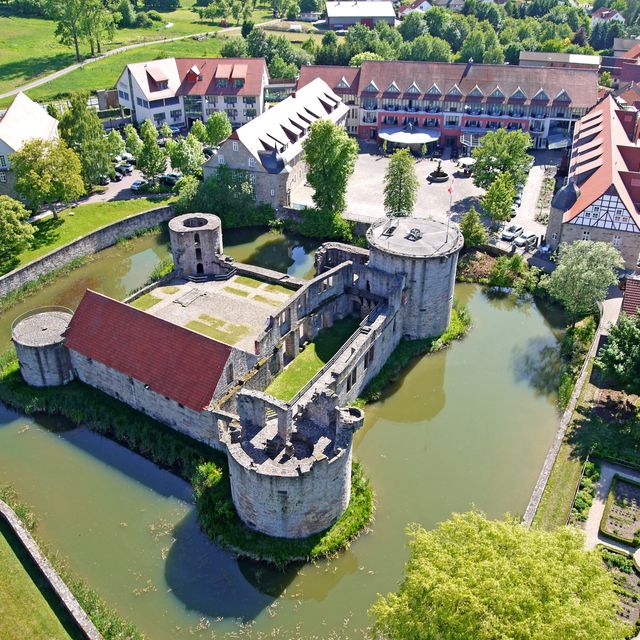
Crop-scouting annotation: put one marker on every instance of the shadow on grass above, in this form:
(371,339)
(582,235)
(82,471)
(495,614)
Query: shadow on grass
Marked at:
(47,232)
(459,208)
(329,340)
(29,69)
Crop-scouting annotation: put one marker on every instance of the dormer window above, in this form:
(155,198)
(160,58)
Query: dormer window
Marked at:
(497,93)
(476,92)
(563,96)
(434,90)
(454,91)
(343,84)
(541,95)
(162,85)
(372,87)
(518,94)
(414,88)
(223,83)
(393,88)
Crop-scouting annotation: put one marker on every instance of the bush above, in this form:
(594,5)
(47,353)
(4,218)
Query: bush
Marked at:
(318,224)
(143,21)
(586,492)
(614,559)
(155,16)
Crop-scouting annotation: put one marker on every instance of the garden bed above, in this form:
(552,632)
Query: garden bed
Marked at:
(627,585)
(621,517)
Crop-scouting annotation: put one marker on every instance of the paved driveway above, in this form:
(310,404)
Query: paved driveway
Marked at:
(365,192)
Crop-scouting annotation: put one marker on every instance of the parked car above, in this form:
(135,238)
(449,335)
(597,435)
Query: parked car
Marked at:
(518,199)
(116,177)
(104,180)
(168,179)
(127,157)
(514,210)
(138,185)
(526,240)
(208,152)
(175,130)
(124,169)
(511,232)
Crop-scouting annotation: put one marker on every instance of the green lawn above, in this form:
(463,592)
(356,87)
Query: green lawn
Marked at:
(29,49)
(145,302)
(248,282)
(24,611)
(74,223)
(313,357)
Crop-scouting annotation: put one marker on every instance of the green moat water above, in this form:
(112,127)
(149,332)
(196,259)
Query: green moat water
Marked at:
(470,425)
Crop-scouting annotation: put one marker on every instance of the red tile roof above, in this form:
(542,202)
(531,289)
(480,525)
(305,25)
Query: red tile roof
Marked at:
(604,13)
(175,362)
(580,84)
(251,70)
(604,159)
(631,298)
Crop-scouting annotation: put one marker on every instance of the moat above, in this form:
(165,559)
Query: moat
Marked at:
(468,425)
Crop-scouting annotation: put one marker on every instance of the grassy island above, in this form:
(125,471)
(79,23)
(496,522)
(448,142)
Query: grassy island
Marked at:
(205,468)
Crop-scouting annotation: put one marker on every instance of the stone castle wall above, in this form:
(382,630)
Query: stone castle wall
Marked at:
(85,246)
(291,507)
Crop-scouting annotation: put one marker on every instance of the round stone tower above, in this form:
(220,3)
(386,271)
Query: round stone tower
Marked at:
(426,251)
(38,337)
(196,243)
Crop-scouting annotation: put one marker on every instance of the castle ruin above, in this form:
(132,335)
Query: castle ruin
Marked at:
(203,346)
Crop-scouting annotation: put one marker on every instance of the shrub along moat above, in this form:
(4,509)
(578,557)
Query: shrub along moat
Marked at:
(205,468)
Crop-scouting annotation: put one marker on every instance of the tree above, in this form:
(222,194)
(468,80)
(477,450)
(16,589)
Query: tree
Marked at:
(359,58)
(278,68)
(186,154)
(68,15)
(499,198)
(605,79)
(151,160)
(127,14)
(199,131)
(412,26)
(473,231)
(218,128)
(82,130)
(619,357)
(115,143)
(47,173)
(475,578)
(133,143)
(16,233)
(97,22)
(501,151)
(473,48)
(234,48)
(584,272)
(165,131)
(400,184)
(246,29)
(331,158)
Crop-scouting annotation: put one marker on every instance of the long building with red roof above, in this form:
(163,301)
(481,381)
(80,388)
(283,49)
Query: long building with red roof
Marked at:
(601,198)
(179,91)
(456,104)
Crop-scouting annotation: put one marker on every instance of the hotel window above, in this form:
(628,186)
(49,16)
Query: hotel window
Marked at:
(234,146)
(159,117)
(616,241)
(3,161)
(595,208)
(249,100)
(554,236)
(238,82)
(176,114)
(211,100)
(220,159)
(252,162)
(586,235)
(222,82)
(229,100)
(123,94)
(252,179)
(3,176)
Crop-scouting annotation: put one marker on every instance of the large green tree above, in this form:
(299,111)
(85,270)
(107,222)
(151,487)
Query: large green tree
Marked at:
(186,154)
(15,232)
(47,173)
(152,159)
(82,130)
(472,578)
(501,151)
(473,231)
(133,142)
(331,158)
(400,184)
(583,275)
(499,198)
(218,128)
(620,355)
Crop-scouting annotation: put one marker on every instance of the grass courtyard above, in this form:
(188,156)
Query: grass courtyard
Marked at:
(24,610)
(77,222)
(312,358)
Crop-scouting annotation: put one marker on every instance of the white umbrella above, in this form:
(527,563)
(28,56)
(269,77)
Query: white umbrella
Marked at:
(466,162)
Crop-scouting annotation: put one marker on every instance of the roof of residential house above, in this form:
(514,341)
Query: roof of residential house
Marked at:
(275,137)
(362,9)
(564,58)
(173,361)
(435,80)
(604,13)
(629,93)
(26,120)
(631,298)
(199,76)
(605,158)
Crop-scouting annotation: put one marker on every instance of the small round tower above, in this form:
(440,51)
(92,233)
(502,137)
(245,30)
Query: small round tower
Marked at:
(426,251)
(196,243)
(38,337)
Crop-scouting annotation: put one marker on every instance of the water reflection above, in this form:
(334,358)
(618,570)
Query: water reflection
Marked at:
(539,364)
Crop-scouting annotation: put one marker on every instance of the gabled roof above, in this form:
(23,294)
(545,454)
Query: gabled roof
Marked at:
(198,76)
(393,88)
(605,159)
(175,362)
(631,298)
(375,75)
(476,92)
(604,13)
(26,120)
(369,9)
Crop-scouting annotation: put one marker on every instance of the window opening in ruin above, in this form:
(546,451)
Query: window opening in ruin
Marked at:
(199,268)
(198,253)
(368,286)
(196,239)
(230,372)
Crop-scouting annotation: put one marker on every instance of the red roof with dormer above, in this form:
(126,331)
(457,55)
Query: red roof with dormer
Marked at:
(173,361)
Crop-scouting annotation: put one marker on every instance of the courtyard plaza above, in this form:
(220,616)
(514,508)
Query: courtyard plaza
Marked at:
(234,311)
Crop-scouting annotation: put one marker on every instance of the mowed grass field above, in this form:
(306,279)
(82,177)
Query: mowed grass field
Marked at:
(24,611)
(29,49)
